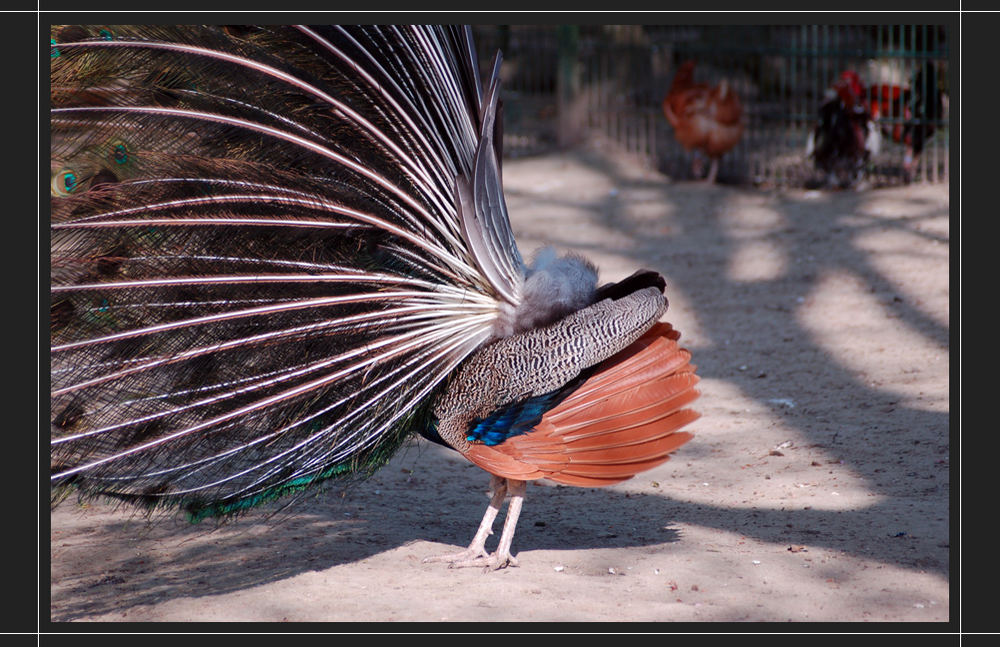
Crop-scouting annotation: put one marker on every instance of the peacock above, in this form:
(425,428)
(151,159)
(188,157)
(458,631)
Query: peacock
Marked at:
(280,252)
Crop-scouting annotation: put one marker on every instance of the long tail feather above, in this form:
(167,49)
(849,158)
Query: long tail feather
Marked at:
(259,273)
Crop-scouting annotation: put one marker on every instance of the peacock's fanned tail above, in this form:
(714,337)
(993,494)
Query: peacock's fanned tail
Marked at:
(270,246)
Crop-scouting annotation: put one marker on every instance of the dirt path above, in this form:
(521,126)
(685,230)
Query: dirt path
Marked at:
(816,488)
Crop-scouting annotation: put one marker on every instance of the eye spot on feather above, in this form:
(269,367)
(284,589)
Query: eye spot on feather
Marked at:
(100,314)
(64,183)
(106,35)
(55,50)
(119,153)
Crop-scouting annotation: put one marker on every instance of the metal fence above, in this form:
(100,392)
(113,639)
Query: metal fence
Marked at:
(566,82)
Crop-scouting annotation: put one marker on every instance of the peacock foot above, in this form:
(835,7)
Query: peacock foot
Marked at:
(475,554)
(475,557)
(469,554)
(493,562)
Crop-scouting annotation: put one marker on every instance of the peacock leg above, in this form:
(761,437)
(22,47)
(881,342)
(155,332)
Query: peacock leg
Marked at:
(713,170)
(477,549)
(501,557)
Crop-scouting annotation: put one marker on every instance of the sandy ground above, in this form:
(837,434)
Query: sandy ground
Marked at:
(816,487)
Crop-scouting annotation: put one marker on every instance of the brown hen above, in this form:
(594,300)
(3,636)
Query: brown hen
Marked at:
(705,119)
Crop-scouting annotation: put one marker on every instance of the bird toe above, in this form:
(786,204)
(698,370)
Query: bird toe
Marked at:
(468,555)
(488,563)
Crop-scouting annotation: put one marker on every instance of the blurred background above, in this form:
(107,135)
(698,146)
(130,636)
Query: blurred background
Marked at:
(563,84)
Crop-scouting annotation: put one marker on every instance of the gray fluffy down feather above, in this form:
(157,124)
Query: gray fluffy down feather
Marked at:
(553,287)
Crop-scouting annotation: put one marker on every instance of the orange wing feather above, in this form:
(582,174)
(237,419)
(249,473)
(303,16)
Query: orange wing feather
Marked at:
(623,420)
